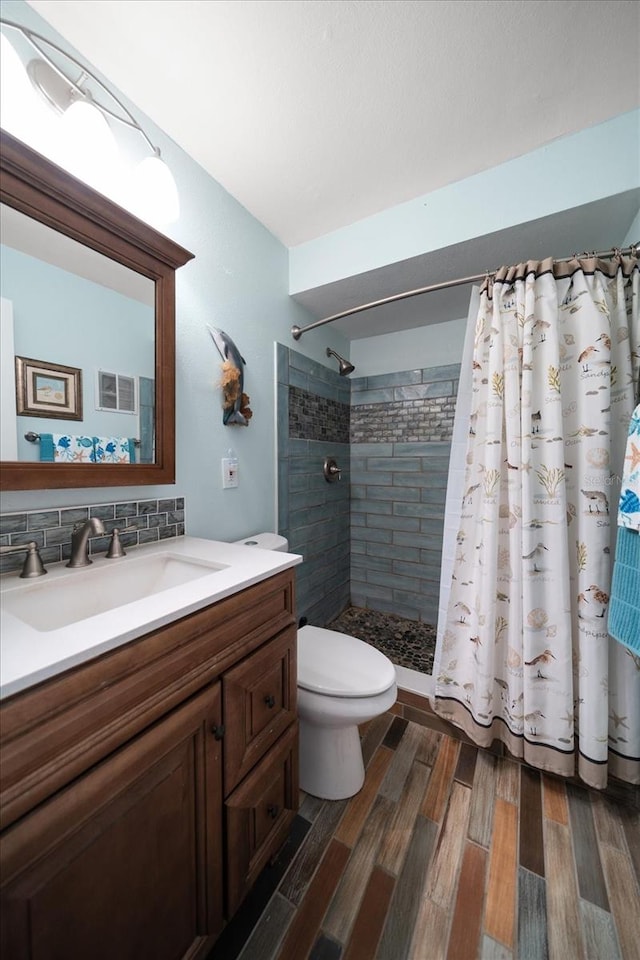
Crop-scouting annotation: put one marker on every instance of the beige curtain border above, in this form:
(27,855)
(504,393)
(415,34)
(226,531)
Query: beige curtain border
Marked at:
(548,759)
(560,269)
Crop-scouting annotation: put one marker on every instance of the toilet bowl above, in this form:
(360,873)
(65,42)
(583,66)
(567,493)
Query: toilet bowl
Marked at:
(342,682)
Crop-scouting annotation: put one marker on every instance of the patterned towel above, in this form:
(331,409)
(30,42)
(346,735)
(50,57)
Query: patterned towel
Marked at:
(65,448)
(114,450)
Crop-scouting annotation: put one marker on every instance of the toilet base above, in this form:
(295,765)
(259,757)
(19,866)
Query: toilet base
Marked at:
(331,765)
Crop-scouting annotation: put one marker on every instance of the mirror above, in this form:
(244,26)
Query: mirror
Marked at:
(88,311)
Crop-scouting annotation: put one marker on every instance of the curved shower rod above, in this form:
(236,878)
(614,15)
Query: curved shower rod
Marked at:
(296,332)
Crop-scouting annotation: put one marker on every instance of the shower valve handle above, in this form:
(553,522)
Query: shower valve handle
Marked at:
(331,470)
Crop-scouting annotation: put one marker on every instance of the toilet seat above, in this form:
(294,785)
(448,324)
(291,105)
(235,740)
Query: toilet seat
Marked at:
(339,665)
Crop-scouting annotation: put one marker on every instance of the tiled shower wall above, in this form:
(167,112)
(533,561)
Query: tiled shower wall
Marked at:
(374,539)
(313,423)
(148,520)
(401,427)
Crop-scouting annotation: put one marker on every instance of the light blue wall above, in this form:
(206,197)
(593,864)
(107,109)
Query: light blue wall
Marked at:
(595,163)
(634,231)
(101,328)
(434,345)
(238,281)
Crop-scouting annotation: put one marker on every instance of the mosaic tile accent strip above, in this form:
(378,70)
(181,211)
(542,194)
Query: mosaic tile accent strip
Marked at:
(406,420)
(148,521)
(313,417)
(410,406)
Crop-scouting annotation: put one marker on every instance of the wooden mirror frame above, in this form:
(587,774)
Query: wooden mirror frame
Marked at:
(41,190)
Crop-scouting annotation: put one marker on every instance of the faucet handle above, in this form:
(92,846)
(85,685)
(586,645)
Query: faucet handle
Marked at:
(116,550)
(33,565)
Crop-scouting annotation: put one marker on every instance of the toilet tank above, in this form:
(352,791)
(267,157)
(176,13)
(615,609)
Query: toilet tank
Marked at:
(266,541)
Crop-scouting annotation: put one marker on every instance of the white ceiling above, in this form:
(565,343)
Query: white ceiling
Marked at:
(314,114)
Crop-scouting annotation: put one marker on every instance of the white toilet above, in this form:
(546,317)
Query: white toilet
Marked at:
(342,682)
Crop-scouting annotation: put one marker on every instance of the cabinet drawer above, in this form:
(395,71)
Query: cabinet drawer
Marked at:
(259,703)
(258,816)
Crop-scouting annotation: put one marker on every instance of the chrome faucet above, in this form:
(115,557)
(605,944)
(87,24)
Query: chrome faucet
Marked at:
(80,541)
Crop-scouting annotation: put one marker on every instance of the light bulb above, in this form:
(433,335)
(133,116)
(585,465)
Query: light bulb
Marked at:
(87,146)
(22,112)
(154,196)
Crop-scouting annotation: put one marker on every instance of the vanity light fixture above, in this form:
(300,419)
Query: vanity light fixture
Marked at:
(76,131)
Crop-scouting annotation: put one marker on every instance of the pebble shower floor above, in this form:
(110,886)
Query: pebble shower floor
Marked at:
(407,643)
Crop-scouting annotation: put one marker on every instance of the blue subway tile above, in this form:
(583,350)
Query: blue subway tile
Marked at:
(405,494)
(421,540)
(449,372)
(394,379)
(372,535)
(429,510)
(372,396)
(395,464)
(372,449)
(74,515)
(371,477)
(105,511)
(35,536)
(430,448)
(395,552)
(409,524)
(384,507)
(15,522)
(126,509)
(418,570)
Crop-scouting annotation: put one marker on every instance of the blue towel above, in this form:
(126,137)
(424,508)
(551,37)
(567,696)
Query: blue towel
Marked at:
(624,612)
(46,447)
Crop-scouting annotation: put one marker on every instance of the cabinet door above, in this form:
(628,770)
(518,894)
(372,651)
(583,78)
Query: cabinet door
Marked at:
(259,703)
(126,862)
(258,816)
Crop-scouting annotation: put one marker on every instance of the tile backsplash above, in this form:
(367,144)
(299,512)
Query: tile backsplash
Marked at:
(146,521)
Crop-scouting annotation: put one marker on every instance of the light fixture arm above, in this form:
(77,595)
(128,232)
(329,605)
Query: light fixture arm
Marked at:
(36,40)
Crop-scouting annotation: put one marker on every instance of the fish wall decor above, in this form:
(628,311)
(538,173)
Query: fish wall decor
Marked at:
(235,405)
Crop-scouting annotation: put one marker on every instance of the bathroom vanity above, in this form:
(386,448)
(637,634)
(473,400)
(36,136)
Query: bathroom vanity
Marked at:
(145,787)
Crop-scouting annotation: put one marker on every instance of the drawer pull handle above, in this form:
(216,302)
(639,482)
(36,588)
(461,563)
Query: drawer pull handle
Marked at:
(218,731)
(270,701)
(273,811)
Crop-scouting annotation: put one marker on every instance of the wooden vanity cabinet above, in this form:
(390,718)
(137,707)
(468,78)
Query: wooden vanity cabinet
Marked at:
(260,760)
(123,834)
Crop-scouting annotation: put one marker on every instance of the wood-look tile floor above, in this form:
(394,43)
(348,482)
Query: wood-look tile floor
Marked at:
(448,852)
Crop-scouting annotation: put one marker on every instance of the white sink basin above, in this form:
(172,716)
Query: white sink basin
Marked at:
(86,592)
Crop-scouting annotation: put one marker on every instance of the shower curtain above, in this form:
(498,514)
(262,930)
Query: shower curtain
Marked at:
(523,654)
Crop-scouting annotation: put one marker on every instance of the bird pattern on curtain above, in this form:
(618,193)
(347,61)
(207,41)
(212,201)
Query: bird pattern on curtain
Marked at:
(524,653)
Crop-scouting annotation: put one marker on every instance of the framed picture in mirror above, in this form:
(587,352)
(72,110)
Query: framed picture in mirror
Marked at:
(48,389)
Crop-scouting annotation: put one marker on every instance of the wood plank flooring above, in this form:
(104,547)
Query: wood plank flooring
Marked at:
(448,853)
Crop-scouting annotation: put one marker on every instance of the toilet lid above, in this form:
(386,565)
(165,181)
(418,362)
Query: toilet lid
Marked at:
(338,665)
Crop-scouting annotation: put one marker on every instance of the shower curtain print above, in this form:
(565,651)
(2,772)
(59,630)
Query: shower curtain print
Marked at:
(524,655)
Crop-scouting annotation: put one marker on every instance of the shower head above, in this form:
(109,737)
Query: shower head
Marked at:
(345,367)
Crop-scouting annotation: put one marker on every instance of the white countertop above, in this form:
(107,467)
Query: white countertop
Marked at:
(29,656)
